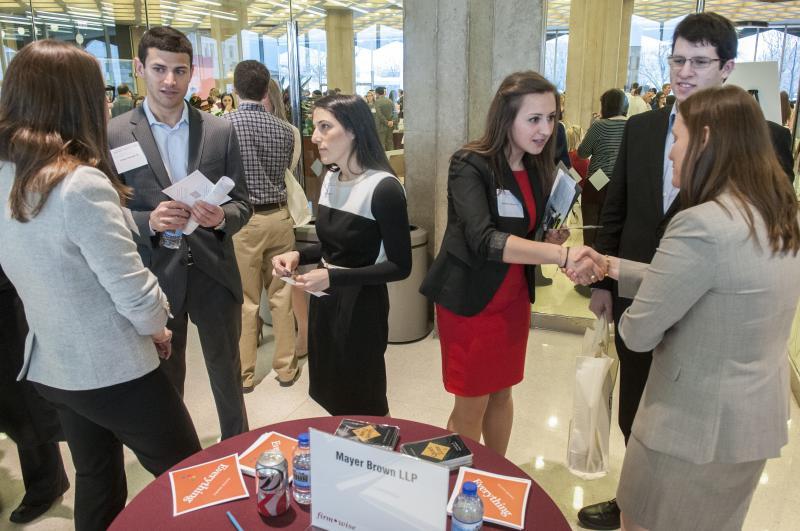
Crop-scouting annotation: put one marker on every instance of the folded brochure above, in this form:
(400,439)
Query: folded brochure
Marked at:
(381,435)
(505,498)
(270,440)
(563,196)
(206,484)
(449,450)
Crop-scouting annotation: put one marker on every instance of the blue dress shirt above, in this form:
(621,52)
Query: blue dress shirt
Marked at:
(172,142)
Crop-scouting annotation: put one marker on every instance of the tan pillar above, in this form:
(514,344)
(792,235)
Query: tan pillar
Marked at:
(341,58)
(599,39)
(221,31)
(136,37)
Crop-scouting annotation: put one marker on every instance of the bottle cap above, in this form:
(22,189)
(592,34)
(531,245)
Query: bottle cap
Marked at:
(303,439)
(469,488)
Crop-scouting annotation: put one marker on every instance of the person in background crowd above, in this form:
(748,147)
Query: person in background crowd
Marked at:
(482,280)
(362,224)
(635,211)
(228,103)
(715,406)
(574,137)
(27,418)
(384,119)
(93,355)
(660,101)
(648,99)
(273,103)
(400,103)
(636,103)
(670,100)
(601,145)
(786,108)
(666,88)
(124,101)
(195,101)
(138,101)
(266,144)
(201,278)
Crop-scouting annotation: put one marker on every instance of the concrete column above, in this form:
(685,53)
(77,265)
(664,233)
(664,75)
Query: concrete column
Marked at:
(456,54)
(341,56)
(599,38)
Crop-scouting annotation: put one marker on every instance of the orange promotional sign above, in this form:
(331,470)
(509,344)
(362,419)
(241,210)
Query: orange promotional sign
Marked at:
(206,484)
(505,499)
(268,441)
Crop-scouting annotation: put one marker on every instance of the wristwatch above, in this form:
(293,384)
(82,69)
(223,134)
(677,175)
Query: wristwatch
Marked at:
(221,225)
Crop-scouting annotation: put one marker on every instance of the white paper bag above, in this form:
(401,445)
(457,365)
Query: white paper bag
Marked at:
(595,374)
(296,200)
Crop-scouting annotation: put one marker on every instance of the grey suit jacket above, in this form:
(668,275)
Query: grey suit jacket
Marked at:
(214,150)
(717,307)
(90,303)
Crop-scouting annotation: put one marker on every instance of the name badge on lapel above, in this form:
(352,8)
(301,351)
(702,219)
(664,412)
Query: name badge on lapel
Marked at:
(128,157)
(508,206)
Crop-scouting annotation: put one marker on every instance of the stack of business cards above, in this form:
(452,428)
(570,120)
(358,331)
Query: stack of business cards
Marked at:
(448,450)
(380,435)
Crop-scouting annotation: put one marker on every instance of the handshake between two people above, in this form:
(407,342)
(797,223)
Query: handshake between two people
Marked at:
(583,265)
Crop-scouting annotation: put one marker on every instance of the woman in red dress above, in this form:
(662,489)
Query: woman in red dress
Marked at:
(482,281)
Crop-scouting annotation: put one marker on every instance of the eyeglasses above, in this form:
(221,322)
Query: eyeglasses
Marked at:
(697,63)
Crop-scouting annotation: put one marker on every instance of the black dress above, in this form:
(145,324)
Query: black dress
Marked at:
(362,225)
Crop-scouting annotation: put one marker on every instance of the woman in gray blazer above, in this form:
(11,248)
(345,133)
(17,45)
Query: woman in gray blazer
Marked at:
(93,309)
(716,304)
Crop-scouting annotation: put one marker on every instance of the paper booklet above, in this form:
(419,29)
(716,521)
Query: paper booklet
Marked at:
(268,441)
(564,193)
(195,187)
(448,450)
(505,498)
(206,484)
(380,435)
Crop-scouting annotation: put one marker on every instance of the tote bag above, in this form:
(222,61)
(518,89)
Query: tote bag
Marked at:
(595,375)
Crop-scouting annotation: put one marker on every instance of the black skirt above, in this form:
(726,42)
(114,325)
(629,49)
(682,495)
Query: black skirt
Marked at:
(347,335)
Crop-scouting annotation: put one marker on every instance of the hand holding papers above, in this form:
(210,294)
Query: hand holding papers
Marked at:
(196,187)
(563,195)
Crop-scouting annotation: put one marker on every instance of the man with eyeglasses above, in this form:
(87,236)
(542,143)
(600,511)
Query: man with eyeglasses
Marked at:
(641,199)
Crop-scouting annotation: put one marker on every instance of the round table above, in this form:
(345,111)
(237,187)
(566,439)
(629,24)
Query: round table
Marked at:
(151,509)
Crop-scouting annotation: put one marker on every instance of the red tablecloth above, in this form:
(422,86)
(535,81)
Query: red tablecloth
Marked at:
(151,509)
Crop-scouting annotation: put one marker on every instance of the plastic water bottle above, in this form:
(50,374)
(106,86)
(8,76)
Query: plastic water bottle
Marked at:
(171,239)
(467,509)
(301,470)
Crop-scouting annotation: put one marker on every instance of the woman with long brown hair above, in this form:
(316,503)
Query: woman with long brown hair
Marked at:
(717,304)
(482,281)
(96,315)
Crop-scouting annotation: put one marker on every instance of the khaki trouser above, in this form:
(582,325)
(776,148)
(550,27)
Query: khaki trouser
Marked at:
(265,235)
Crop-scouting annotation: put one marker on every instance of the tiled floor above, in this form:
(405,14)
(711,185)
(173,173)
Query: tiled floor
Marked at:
(542,412)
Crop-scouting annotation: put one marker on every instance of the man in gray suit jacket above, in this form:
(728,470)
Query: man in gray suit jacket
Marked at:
(201,278)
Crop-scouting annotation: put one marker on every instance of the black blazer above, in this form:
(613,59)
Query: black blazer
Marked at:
(469,268)
(214,150)
(633,216)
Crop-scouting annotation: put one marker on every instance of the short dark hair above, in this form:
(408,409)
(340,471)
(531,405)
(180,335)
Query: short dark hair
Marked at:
(612,103)
(123,89)
(251,80)
(380,90)
(634,86)
(709,28)
(166,39)
(355,116)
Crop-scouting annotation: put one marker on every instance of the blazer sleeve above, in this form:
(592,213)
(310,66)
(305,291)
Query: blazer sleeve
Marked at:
(94,222)
(682,271)
(468,191)
(238,210)
(630,277)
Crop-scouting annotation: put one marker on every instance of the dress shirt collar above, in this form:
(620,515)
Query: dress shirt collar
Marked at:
(152,120)
(251,106)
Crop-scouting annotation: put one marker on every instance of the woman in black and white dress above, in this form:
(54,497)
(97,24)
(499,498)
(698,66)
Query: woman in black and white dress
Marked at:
(362,225)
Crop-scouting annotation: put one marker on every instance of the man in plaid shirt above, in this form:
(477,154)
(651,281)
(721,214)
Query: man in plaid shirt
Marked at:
(266,144)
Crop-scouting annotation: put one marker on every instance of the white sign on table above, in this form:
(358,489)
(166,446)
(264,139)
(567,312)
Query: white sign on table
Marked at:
(358,487)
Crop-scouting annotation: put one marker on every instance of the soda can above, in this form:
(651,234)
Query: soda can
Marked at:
(272,484)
